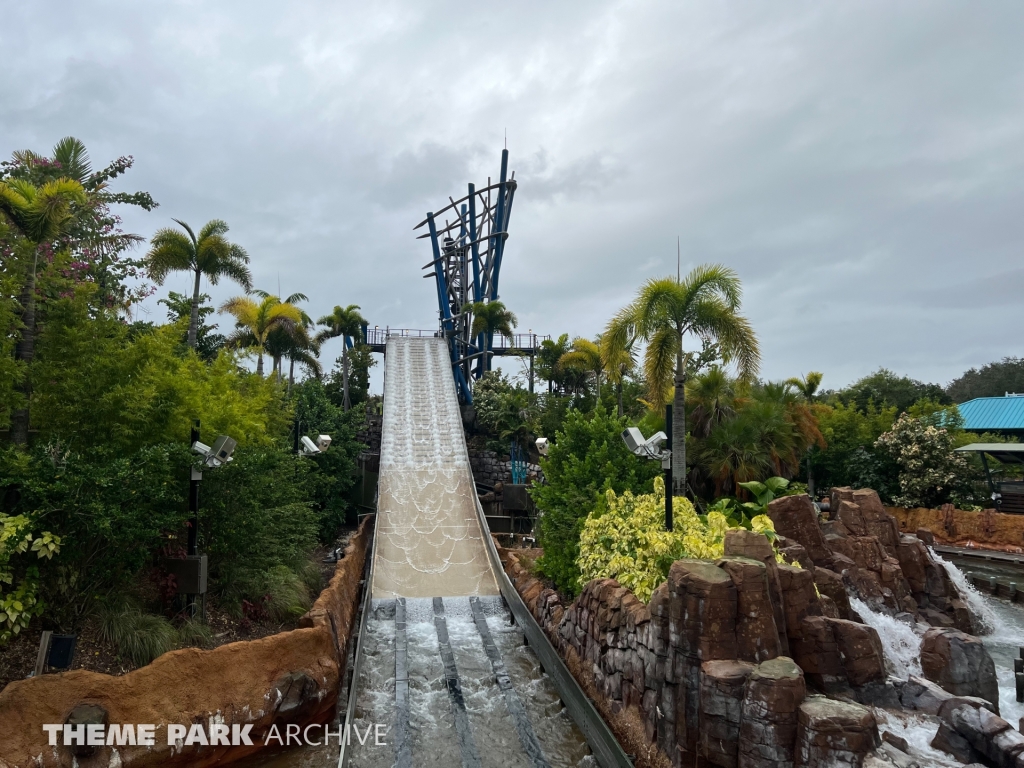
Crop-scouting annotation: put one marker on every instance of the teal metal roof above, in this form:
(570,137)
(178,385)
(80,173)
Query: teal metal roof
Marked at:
(993,414)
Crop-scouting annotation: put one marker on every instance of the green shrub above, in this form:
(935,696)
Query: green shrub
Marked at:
(587,458)
(625,539)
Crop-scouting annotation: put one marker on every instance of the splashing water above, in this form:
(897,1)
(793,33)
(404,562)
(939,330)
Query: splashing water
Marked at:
(900,643)
(918,730)
(987,621)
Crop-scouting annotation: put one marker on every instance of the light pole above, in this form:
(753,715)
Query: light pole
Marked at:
(650,448)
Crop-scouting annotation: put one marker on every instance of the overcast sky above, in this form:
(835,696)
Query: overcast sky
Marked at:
(859,164)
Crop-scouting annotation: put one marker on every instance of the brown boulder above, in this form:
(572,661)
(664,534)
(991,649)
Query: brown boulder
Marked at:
(796,517)
(913,558)
(798,596)
(960,663)
(757,636)
(831,585)
(850,516)
(834,733)
(861,651)
(816,651)
(877,521)
(722,685)
(774,692)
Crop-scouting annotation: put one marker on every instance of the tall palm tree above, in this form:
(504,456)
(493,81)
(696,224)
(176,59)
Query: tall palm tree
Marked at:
(210,253)
(705,305)
(254,321)
(489,318)
(585,356)
(619,360)
(807,387)
(284,337)
(39,214)
(342,322)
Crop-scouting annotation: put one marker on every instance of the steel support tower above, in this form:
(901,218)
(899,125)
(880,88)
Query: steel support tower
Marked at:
(467,253)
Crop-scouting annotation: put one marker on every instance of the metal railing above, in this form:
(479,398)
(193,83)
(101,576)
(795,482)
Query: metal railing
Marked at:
(378,337)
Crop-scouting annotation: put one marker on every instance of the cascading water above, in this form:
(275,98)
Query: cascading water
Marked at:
(987,620)
(918,730)
(901,644)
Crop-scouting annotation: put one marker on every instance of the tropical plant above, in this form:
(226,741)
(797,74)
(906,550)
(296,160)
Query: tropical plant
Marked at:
(884,388)
(619,360)
(255,321)
(179,310)
(210,254)
(548,356)
(587,458)
(18,587)
(39,214)
(625,539)
(585,357)
(489,318)
(807,387)
(704,305)
(345,323)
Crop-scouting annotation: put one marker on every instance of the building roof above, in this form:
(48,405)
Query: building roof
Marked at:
(1005,453)
(993,414)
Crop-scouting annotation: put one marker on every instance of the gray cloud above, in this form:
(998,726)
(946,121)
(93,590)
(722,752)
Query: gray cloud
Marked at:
(860,165)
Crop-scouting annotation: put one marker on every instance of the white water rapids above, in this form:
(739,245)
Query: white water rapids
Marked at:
(978,604)
(902,646)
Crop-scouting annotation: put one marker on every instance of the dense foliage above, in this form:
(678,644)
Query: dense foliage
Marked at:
(992,380)
(95,501)
(625,538)
(587,459)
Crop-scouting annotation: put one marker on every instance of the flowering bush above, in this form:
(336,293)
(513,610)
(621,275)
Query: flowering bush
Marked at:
(929,471)
(625,539)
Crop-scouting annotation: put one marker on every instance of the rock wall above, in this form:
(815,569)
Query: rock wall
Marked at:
(987,528)
(289,678)
(861,551)
(700,671)
(490,468)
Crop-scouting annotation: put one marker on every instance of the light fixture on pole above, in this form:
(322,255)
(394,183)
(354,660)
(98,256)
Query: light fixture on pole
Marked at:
(650,448)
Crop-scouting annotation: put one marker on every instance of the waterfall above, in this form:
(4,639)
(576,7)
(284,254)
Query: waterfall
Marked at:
(901,645)
(985,617)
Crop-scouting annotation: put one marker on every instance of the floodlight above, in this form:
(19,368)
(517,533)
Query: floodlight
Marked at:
(217,454)
(323,442)
(542,445)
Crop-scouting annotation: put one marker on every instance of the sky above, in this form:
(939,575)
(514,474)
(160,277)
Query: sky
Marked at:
(860,165)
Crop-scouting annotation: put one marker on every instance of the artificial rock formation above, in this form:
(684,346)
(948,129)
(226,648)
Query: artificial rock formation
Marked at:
(959,663)
(701,668)
(834,733)
(861,551)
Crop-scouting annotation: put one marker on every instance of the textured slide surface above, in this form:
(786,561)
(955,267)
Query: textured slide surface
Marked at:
(429,541)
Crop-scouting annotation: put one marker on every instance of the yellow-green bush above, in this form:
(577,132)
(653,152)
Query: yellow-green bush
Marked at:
(625,539)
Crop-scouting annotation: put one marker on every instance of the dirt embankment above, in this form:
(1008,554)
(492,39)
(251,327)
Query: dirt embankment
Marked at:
(288,678)
(986,529)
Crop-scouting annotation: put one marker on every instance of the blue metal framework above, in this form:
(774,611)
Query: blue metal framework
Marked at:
(467,254)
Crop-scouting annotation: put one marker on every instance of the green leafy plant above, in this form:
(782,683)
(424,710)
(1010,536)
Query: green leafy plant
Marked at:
(587,458)
(19,601)
(930,473)
(626,539)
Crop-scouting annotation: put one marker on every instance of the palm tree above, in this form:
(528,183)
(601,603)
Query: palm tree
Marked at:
(208,254)
(343,322)
(39,214)
(713,397)
(807,387)
(489,318)
(704,305)
(292,340)
(254,321)
(584,356)
(619,360)
(550,353)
